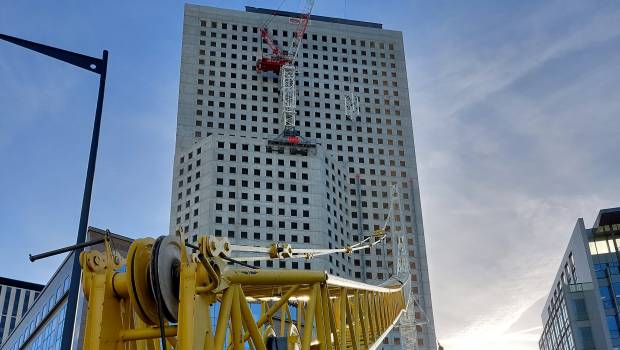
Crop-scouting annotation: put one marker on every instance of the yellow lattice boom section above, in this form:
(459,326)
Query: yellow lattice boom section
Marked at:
(162,290)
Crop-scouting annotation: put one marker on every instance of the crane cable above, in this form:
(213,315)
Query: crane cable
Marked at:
(273,14)
(268,21)
(308,253)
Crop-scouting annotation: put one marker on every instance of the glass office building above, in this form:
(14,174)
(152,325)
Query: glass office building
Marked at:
(16,297)
(583,308)
(40,326)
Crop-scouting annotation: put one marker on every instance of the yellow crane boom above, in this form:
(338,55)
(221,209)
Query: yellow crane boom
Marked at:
(163,295)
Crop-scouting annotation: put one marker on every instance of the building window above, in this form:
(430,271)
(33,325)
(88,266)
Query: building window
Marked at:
(612,325)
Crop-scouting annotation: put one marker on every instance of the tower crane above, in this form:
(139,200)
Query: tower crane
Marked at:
(283,63)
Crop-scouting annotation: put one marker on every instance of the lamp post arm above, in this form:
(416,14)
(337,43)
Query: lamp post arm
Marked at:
(83,61)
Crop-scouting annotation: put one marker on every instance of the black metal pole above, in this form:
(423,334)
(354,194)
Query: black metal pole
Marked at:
(99,66)
(71,311)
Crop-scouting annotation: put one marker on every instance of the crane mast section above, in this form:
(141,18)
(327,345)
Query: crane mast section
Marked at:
(351,106)
(289,96)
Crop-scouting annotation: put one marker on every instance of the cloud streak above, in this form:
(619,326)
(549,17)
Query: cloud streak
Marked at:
(512,128)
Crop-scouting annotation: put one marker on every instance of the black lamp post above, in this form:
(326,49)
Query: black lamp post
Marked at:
(99,66)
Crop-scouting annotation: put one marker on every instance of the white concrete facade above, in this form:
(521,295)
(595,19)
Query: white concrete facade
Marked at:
(228,111)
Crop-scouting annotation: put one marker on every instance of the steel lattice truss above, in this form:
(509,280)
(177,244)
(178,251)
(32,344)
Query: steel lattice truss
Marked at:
(289,95)
(351,105)
(305,309)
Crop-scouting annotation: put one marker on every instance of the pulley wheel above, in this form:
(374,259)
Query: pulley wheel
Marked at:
(164,272)
(140,291)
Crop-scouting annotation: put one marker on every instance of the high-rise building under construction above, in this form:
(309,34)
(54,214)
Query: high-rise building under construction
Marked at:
(336,183)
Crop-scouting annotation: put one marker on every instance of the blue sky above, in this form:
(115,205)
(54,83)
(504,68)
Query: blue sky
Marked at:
(515,108)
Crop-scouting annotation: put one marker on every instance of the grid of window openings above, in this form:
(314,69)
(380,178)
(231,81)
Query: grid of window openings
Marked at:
(232,99)
(223,97)
(16,300)
(269,195)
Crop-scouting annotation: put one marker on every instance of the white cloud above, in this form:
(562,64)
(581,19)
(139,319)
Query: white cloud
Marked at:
(509,158)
